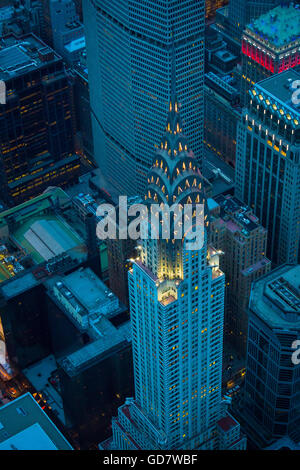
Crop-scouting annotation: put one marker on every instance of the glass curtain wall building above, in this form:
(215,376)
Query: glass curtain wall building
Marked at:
(129,46)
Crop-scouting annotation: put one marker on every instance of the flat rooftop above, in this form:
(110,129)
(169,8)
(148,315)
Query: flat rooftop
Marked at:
(19,56)
(238,211)
(219,174)
(275,297)
(211,78)
(6,12)
(110,339)
(25,426)
(39,230)
(46,236)
(227,423)
(280,26)
(18,285)
(39,375)
(88,289)
(75,45)
(276,93)
(279,86)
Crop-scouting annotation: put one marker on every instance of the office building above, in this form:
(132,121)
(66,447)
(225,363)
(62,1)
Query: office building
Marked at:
(129,53)
(177,314)
(120,253)
(236,231)
(46,33)
(218,58)
(67,32)
(267,163)
(272,392)
(39,239)
(81,96)
(25,426)
(91,338)
(36,129)
(270,45)
(85,208)
(211,6)
(20,18)
(221,116)
(232,19)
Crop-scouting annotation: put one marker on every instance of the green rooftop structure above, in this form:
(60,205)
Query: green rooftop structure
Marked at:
(37,231)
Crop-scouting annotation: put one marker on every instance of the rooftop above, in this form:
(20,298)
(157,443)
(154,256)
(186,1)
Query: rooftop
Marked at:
(275,297)
(110,339)
(18,284)
(39,229)
(75,45)
(93,308)
(241,215)
(41,375)
(6,12)
(37,204)
(219,174)
(86,292)
(256,267)
(279,87)
(25,426)
(19,56)
(220,85)
(227,423)
(279,26)
(275,93)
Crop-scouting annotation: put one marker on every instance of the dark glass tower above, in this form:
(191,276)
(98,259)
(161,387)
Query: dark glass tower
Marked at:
(36,129)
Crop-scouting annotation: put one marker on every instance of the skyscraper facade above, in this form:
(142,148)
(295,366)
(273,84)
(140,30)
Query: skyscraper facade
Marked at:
(221,115)
(36,129)
(237,232)
(268,165)
(177,314)
(271,407)
(129,45)
(270,45)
